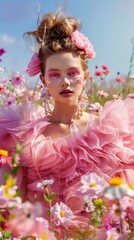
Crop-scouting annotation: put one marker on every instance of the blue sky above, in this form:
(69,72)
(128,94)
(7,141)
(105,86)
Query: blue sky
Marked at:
(108,24)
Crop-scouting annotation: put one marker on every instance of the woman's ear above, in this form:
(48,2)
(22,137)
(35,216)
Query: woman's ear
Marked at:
(42,79)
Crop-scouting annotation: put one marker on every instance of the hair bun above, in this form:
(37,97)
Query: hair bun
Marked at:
(56,26)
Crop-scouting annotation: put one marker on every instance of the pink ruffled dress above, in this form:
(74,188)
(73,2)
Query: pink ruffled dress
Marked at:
(107,149)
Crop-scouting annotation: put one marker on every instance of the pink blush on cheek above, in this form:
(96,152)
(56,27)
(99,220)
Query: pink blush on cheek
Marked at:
(79,81)
(49,81)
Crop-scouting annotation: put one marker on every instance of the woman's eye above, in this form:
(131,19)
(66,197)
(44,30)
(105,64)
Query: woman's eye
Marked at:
(73,73)
(54,75)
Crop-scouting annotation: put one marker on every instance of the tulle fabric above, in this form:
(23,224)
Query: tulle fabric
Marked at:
(107,148)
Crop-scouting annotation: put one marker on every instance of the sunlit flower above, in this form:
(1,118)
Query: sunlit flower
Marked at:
(2,89)
(115,96)
(9,101)
(45,183)
(96,108)
(111,223)
(91,185)
(102,94)
(98,73)
(117,189)
(113,234)
(127,206)
(89,203)
(18,79)
(119,79)
(82,42)
(19,91)
(62,214)
(4,158)
(130,95)
(105,69)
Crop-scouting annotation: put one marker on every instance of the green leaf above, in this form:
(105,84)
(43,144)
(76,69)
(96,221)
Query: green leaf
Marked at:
(51,196)
(46,198)
(2,219)
(95,222)
(48,212)
(7,234)
(15,169)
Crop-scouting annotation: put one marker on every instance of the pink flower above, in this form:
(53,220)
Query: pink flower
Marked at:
(34,65)
(130,95)
(62,214)
(5,159)
(115,96)
(102,94)
(98,73)
(4,80)
(2,89)
(2,51)
(127,205)
(91,185)
(132,77)
(112,234)
(105,67)
(82,42)
(96,108)
(10,101)
(119,79)
(18,79)
(111,223)
(25,219)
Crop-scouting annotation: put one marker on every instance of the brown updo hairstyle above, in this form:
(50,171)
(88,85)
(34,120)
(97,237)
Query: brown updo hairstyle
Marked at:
(54,35)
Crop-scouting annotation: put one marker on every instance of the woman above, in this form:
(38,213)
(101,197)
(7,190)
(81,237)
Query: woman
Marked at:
(65,143)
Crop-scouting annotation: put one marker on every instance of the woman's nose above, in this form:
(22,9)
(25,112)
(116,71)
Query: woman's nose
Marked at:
(65,81)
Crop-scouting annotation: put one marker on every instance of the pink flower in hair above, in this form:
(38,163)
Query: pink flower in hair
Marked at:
(82,42)
(34,65)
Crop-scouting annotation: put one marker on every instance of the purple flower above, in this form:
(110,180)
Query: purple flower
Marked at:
(18,79)
(10,101)
(2,51)
(111,223)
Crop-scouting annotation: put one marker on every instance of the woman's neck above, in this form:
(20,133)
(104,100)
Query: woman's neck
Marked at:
(65,114)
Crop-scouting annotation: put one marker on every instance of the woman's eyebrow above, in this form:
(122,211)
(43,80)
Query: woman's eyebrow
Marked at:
(53,69)
(59,70)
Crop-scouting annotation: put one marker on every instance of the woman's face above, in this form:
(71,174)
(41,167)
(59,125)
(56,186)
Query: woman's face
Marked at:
(64,77)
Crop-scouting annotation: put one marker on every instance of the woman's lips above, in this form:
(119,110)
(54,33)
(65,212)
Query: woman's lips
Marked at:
(66,93)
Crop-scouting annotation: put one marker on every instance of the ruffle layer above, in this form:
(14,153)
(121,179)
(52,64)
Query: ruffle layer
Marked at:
(107,149)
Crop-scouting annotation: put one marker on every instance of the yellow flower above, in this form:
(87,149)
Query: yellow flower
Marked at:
(10,182)
(3,153)
(117,181)
(44,236)
(62,213)
(92,184)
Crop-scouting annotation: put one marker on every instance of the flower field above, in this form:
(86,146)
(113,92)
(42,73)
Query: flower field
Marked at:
(107,206)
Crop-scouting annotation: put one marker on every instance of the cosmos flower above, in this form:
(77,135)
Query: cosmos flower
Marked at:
(91,185)
(17,79)
(118,189)
(62,214)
